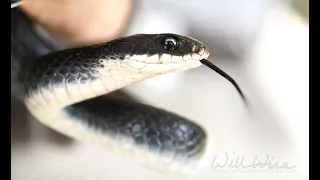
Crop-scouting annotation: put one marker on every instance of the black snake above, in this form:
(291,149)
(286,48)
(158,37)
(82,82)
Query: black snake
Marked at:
(63,89)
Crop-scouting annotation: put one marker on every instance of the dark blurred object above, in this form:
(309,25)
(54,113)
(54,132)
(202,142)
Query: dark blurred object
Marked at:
(26,44)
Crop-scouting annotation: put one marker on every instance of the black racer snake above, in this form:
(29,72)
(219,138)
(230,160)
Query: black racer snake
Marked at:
(63,89)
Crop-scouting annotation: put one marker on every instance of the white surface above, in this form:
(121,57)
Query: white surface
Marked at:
(211,101)
(280,64)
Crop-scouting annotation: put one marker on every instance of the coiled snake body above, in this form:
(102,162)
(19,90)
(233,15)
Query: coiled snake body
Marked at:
(63,90)
(60,83)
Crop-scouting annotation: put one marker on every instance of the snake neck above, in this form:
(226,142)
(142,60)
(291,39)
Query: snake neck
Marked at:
(53,93)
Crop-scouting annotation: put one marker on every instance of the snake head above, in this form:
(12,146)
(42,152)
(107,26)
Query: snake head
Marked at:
(157,54)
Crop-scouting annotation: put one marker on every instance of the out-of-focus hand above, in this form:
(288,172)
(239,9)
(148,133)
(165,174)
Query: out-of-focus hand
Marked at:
(78,22)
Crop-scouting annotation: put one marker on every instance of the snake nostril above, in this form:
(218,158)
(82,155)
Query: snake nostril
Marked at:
(196,49)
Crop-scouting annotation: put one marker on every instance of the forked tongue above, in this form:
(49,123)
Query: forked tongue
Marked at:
(225,75)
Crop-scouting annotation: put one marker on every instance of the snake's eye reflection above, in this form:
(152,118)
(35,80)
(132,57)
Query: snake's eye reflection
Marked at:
(170,44)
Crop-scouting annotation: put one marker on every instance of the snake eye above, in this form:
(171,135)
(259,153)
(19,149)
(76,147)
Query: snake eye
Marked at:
(170,44)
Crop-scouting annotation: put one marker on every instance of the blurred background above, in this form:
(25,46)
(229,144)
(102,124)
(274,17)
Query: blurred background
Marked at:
(262,44)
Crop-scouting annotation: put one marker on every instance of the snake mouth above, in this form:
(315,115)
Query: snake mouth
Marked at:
(206,52)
